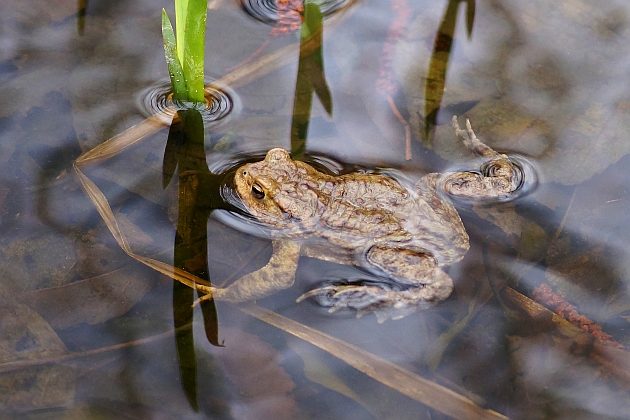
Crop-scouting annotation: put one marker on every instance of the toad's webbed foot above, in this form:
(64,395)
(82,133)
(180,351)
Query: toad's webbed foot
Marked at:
(499,176)
(414,281)
(383,300)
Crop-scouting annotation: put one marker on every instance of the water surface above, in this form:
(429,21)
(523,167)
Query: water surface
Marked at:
(87,330)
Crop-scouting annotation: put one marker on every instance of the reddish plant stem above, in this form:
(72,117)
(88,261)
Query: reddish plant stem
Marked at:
(385,82)
(559,305)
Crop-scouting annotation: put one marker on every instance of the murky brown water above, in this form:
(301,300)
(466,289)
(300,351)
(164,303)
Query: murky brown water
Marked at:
(86,330)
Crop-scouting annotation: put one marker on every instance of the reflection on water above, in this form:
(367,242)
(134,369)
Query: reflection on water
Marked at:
(310,78)
(440,57)
(545,80)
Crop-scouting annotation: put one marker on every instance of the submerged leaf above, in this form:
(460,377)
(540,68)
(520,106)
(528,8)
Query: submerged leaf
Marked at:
(175,72)
(27,336)
(470,16)
(404,381)
(310,78)
(435,83)
(92,300)
(255,368)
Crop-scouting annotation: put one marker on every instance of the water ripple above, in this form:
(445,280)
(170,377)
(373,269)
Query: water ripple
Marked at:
(157,100)
(267,11)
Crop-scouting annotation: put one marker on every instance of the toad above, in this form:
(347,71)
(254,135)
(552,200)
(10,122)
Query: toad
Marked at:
(404,235)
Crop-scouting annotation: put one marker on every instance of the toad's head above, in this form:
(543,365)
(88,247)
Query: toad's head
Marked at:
(279,191)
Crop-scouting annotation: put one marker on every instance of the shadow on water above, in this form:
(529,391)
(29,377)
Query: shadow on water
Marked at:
(438,65)
(310,78)
(185,154)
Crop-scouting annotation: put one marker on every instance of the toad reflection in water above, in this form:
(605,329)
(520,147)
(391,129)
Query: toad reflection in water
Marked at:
(403,235)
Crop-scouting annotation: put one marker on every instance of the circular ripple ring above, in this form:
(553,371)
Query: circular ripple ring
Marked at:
(157,100)
(267,10)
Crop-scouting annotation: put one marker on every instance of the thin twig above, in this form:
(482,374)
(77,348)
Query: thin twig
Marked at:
(404,123)
(22,364)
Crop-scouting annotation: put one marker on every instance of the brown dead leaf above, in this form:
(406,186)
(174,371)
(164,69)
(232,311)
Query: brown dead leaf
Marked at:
(253,366)
(92,300)
(27,336)
(39,260)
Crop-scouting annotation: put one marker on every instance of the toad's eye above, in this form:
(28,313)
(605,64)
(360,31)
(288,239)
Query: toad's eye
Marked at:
(258,192)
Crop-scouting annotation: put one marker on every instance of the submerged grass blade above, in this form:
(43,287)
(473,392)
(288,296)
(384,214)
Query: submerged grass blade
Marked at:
(470,17)
(435,83)
(181,10)
(194,45)
(175,72)
(313,28)
(402,380)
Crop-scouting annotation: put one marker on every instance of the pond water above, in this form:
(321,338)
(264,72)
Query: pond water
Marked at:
(92,322)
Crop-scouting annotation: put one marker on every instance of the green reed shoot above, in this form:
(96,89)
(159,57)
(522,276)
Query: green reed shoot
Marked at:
(184,53)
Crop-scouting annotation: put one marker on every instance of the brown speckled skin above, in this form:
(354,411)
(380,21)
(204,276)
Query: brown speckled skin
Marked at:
(369,220)
(354,212)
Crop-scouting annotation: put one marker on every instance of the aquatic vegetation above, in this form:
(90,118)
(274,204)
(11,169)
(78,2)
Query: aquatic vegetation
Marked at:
(385,82)
(184,49)
(435,84)
(544,294)
(289,16)
(310,78)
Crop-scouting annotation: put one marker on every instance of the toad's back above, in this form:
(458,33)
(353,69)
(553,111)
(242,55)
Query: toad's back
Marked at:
(353,211)
(358,210)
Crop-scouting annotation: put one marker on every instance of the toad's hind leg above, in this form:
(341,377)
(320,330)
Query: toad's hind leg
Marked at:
(416,283)
(277,274)
(499,177)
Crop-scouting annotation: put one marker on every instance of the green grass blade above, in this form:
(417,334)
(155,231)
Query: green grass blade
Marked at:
(312,32)
(313,20)
(181,10)
(193,64)
(175,72)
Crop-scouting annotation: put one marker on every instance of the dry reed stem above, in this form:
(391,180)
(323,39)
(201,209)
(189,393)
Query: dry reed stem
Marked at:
(407,383)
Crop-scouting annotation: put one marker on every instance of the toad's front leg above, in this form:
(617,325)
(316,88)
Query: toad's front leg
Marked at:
(499,176)
(414,281)
(277,274)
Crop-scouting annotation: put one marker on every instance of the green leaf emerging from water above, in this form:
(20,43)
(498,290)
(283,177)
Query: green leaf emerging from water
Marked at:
(181,10)
(175,72)
(193,63)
